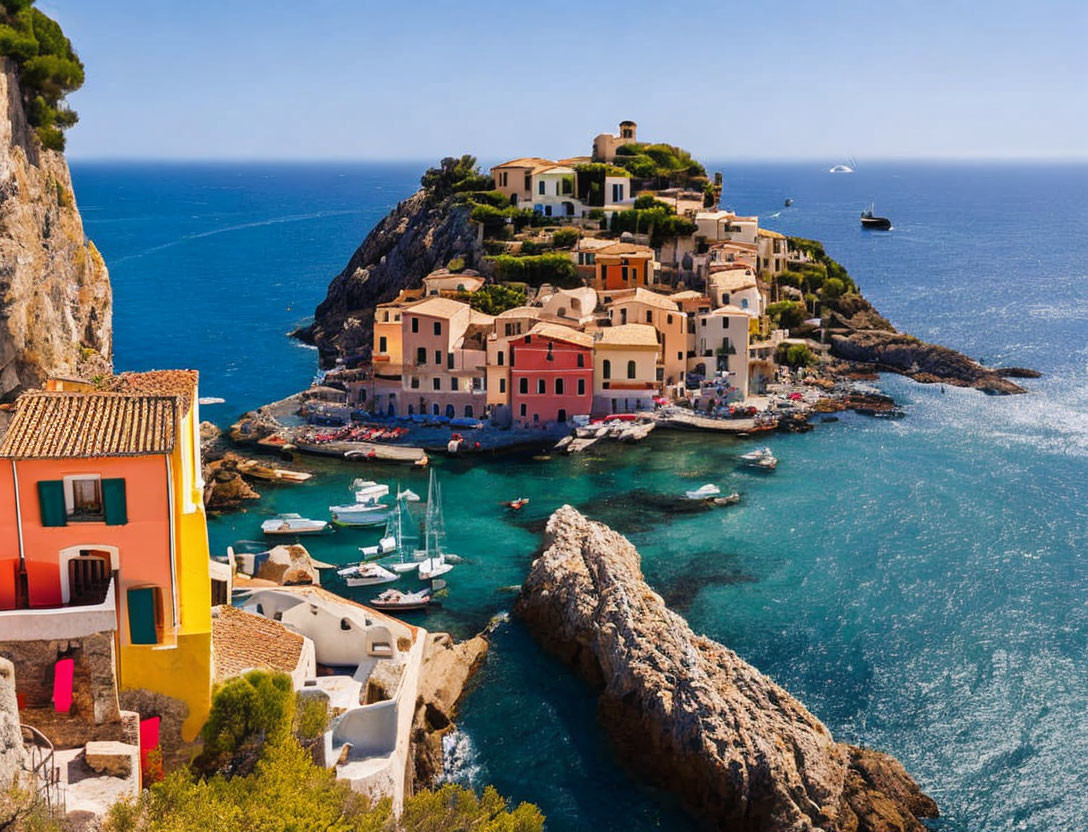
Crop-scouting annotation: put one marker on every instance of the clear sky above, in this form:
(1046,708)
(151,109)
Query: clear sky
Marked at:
(419,79)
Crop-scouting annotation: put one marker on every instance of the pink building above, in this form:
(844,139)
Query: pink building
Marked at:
(551,375)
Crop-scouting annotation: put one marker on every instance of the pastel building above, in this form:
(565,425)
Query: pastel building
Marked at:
(515,178)
(773,251)
(642,306)
(555,191)
(606,144)
(509,325)
(445,282)
(722,226)
(719,349)
(625,368)
(104,562)
(623,266)
(571,307)
(551,375)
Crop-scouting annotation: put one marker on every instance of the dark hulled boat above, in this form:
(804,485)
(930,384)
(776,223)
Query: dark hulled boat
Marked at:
(872,222)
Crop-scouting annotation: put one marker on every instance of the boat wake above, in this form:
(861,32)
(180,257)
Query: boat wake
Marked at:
(462,764)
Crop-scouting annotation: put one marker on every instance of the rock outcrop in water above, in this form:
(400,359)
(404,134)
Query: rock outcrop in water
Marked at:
(56,307)
(739,752)
(859,333)
(420,235)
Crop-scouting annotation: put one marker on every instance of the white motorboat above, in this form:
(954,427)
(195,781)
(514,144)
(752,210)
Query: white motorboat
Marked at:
(287,524)
(366,574)
(704,492)
(385,546)
(433,567)
(394,599)
(408,495)
(359,514)
(844,168)
(760,458)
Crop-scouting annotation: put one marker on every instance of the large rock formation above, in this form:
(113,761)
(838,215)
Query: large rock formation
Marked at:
(739,751)
(56,308)
(859,333)
(420,235)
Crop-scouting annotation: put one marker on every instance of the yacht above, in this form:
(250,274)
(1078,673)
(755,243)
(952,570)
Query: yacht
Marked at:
(366,574)
(288,524)
(761,458)
(704,492)
(872,222)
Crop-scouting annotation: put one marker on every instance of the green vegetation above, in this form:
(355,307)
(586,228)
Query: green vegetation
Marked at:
(495,298)
(787,314)
(795,355)
(565,237)
(48,68)
(286,792)
(556,269)
(247,712)
(456,264)
(661,222)
(661,165)
(455,176)
(589,184)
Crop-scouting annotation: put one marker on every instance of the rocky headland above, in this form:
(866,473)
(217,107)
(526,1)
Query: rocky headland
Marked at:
(691,716)
(56,307)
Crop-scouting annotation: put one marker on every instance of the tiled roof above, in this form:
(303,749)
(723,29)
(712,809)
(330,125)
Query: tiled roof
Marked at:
(626,249)
(687,294)
(243,641)
(180,383)
(438,307)
(521,312)
(628,335)
(640,295)
(525,162)
(62,425)
(766,232)
(722,311)
(557,332)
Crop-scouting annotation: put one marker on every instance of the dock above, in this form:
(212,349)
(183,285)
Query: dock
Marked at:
(364,450)
(690,421)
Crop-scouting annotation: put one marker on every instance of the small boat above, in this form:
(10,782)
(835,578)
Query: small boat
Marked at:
(385,546)
(761,458)
(366,574)
(789,202)
(874,223)
(433,567)
(518,504)
(727,500)
(842,168)
(394,599)
(704,492)
(292,524)
(360,514)
(251,468)
(408,496)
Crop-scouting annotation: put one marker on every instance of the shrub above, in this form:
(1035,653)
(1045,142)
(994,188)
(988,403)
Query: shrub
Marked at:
(554,268)
(247,712)
(456,264)
(565,237)
(795,355)
(491,218)
(455,175)
(311,716)
(531,247)
(833,288)
(660,222)
(787,314)
(495,298)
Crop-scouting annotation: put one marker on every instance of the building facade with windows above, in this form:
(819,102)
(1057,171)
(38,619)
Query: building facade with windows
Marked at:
(103,541)
(551,375)
(719,350)
(623,266)
(626,368)
(641,306)
(515,178)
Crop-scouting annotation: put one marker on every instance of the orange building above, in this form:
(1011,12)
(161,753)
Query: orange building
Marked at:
(623,266)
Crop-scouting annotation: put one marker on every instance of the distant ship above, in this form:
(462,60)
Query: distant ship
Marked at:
(874,223)
(844,168)
(789,202)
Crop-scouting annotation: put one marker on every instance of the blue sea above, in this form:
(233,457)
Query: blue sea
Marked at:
(921,585)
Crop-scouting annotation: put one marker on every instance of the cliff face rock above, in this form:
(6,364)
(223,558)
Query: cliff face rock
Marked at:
(420,235)
(859,333)
(738,750)
(56,307)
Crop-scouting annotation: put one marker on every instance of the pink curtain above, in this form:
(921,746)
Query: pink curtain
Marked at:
(149,735)
(64,673)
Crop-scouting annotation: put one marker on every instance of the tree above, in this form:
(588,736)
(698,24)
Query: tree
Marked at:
(833,288)
(247,712)
(455,175)
(787,313)
(495,298)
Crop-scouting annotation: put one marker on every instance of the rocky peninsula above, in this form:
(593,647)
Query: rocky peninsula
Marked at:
(689,714)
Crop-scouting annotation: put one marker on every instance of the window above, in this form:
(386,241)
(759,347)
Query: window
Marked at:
(438,358)
(540,387)
(606,369)
(85,497)
(502,385)
(630,369)
(528,181)
(415,324)
(511,356)
(617,192)
(649,317)
(436,383)
(668,319)
(559,390)
(434,409)
(561,416)
(581,387)
(679,356)
(145,615)
(523,387)
(421,355)
(523,411)
(499,358)
(382,345)
(567,186)
(413,382)
(85,502)
(478,383)
(581,360)
(453,382)
(623,273)
(468,411)
(540,187)
(449,361)
(504,175)
(437,327)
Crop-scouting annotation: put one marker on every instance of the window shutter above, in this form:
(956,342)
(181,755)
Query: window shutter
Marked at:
(113,499)
(51,500)
(141,616)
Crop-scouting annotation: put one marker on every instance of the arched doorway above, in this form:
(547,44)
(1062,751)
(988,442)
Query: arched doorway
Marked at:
(468,411)
(450,411)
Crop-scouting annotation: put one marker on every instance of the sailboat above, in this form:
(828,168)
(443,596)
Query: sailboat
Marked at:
(406,564)
(433,563)
(844,168)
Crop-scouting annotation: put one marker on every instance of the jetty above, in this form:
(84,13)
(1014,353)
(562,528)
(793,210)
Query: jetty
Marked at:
(363,451)
(679,419)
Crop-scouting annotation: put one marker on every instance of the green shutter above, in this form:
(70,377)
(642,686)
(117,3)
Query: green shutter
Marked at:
(113,499)
(141,616)
(51,500)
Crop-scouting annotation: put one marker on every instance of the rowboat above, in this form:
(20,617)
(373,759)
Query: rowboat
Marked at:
(252,468)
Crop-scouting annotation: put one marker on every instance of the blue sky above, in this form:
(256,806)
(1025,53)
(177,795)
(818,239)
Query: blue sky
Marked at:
(418,79)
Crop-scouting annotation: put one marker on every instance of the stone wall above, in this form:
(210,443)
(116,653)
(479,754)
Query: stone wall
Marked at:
(11,740)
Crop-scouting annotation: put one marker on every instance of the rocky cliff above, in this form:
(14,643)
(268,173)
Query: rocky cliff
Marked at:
(55,300)
(420,235)
(739,752)
(859,333)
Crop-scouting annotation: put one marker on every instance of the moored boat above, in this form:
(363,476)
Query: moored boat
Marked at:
(288,524)
(761,458)
(394,599)
(704,492)
(366,574)
(870,221)
(518,504)
(252,468)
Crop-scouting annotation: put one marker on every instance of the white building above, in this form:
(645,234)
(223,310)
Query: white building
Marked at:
(718,351)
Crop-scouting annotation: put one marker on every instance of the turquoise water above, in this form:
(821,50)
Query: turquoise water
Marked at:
(919,584)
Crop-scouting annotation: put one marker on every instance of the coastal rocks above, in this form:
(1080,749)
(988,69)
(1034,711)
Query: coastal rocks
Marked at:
(56,307)
(224,487)
(862,335)
(420,235)
(447,667)
(11,737)
(738,750)
(289,566)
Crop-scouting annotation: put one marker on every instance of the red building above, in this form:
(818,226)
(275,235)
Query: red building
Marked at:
(551,375)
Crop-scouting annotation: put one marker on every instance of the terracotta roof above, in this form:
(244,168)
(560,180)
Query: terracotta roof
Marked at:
(766,232)
(243,641)
(687,294)
(626,249)
(478,318)
(521,312)
(557,332)
(640,295)
(525,162)
(627,335)
(722,311)
(734,244)
(180,383)
(63,425)
(438,307)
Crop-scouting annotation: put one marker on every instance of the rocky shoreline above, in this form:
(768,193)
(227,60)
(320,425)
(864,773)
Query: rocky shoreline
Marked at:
(689,714)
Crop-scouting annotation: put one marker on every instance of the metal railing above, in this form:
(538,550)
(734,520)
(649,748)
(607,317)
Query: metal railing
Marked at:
(44,773)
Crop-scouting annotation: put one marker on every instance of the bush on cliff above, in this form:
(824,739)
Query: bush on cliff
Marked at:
(660,222)
(787,314)
(455,175)
(661,165)
(556,269)
(287,792)
(247,712)
(48,68)
(495,298)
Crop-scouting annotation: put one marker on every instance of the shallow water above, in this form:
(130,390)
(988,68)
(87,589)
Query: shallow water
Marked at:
(919,584)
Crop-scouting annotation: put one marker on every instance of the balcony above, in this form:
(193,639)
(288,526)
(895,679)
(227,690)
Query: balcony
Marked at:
(64,622)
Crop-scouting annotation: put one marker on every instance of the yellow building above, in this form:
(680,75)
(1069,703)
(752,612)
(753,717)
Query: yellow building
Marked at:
(627,368)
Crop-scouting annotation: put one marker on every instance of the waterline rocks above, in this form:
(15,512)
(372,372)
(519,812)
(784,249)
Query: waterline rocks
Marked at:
(739,751)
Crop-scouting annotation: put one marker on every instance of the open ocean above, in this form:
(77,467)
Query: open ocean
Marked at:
(921,585)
